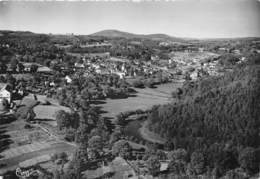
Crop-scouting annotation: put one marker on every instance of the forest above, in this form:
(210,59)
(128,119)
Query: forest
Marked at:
(217,117)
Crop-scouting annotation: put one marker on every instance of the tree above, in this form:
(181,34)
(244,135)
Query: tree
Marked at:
(153,165)
(78,163)
(228,60)
(93,154)
(70,134)
(120,119)
(82,134)
(96,143)
(248,160)
(179,154)
(60,159)
(115,136)
(13,64)
(76,166)
(10,80)
(56,174)
(30,115)
(82,152)
(237,173)
(4,105)
(63,119)
(20,67)
(178,93)
(149,83)
(177,167)
(161,155)
(122,148)
(138,83)
(34,68)
(3,67)
(198,162)
(178,160)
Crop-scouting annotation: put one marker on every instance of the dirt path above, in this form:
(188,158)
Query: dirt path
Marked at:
(149,135)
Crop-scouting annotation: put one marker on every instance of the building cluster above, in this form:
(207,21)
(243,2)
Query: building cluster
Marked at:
(195,64)
(105,64)
(95,44)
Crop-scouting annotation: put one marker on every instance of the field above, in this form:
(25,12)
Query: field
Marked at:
(144,99)
(46,113)
(25,146)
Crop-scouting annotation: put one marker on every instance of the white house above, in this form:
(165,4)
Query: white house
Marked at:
(5,92)
(194,75)
(68,79)
(120,74)
(79,65)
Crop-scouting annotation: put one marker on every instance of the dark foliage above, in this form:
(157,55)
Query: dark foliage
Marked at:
(219,116)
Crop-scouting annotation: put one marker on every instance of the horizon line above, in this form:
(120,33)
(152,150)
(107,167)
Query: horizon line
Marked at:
(91,34)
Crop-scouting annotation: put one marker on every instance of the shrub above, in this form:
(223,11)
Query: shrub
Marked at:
(153,165)
(70,135)
(138,83)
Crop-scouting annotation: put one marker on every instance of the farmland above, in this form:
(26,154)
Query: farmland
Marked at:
(23,146)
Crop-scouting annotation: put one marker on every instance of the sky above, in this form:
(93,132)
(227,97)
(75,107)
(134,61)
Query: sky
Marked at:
(180,18)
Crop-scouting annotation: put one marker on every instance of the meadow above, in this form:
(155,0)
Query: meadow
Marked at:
(143,99)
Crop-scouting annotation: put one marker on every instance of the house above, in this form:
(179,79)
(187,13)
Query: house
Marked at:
(44,69)
(164,166)
(194,75)
(79,65)
(201,49)
(222,49)
(236,51)
(120,74)
(68,79)
(5,92)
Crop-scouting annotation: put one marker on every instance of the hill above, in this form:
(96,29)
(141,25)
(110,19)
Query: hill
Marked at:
(217,116)
(121,34)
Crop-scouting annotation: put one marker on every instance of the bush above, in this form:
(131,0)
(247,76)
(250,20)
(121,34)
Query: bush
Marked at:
(122,148)
(149,83)
(179,154)
(70,135)
(153,165)
(248,160)
(28,126)
(138,84)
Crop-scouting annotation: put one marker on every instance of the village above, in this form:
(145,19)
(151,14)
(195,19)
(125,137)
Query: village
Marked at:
(53,109)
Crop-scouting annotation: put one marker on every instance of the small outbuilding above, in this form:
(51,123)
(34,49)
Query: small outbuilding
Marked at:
(5,92)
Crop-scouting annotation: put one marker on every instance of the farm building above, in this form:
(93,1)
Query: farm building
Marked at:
(5,92)
(68,79)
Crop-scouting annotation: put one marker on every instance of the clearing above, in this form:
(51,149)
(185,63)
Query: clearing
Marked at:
(144,99)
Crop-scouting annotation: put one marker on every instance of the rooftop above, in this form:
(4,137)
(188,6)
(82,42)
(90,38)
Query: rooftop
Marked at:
(3,86)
